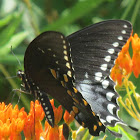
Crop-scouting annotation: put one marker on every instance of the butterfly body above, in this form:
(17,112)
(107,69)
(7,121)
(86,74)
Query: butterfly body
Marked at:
(75,71)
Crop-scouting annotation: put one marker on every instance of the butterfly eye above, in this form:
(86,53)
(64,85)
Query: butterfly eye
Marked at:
(19,73)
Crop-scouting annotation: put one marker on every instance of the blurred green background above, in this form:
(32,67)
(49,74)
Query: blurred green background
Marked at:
(22,20)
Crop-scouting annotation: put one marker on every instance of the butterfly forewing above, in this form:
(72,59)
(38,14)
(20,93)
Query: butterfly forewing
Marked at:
(97,46)
(94,50)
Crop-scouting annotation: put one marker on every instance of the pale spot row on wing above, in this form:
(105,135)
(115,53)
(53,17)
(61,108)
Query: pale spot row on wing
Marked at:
(123,32)
(69,73)
(68,65)
(105,84)
(107,58)
(41,99)
(116,44)
(111,51)
(110,108)
(41,50)
(103,67)
(65,47)
(110,95)
(98,76)
(120,38)
(125,26)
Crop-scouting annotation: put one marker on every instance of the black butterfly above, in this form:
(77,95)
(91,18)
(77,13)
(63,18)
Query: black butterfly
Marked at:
(75,71)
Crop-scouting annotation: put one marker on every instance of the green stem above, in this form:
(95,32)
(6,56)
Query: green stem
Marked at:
(105,136)
(131,92)
(92,137)
(32,21)
(131,113)
(135,96)
(133,106)
(85,135)
(34,25)
(135,13)
(132,87)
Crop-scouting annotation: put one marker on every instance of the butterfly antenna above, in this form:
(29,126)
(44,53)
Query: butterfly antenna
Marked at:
(11,77)
(15,56)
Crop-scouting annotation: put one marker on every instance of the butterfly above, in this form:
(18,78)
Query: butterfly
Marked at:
(75,71)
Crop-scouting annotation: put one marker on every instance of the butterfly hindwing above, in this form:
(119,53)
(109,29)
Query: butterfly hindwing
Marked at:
(47,107)
(30,87)
(48,63)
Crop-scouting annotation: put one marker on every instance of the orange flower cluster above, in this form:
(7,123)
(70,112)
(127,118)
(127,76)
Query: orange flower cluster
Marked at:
(136,55)
(13,121)
(33,126)
(124,64)
(56,133)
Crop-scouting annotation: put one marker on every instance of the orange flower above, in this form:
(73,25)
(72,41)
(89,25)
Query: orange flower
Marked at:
(123,64)
(136,55)
(14,121)
(117,74)
(33,127)
(61,137)
(68,118)
(16,128)
(11,122)
(53,133)
(57,112)
(5,131)
(56,133)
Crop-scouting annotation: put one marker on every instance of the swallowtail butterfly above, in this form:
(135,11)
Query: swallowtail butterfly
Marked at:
(75,71)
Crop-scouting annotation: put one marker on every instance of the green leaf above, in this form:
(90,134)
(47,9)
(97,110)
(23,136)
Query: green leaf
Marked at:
(78,10)
(6,20)
(136,82)
(9,30)
(14,42)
